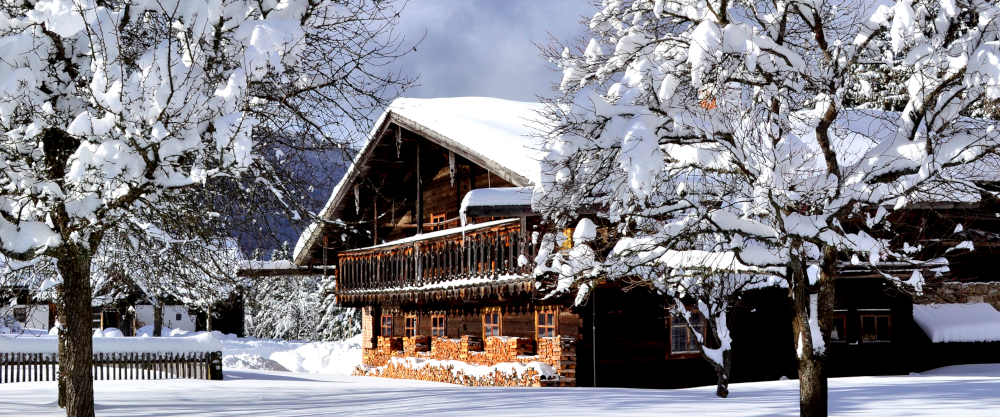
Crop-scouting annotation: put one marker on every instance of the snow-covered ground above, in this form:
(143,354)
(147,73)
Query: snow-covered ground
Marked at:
(296,356)
(963,390)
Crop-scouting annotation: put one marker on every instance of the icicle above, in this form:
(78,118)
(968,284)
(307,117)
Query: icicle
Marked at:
(399,140)
(451,166)
(357,199)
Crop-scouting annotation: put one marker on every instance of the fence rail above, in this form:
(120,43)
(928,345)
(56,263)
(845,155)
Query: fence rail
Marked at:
(31,367)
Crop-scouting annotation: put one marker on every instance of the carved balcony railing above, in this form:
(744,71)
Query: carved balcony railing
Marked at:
(490,251)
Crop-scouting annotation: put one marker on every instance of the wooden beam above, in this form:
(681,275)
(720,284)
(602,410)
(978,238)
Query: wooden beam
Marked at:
(420,194)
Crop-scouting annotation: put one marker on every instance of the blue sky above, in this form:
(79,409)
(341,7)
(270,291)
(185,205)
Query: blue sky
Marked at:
(484,48)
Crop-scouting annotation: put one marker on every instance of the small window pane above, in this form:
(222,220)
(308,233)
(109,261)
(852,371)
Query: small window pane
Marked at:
(868,329)
(387,325)
(838,331)
(678,339)
(491,324)
(882,328)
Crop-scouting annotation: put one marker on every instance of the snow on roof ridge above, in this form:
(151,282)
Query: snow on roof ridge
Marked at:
(490,137)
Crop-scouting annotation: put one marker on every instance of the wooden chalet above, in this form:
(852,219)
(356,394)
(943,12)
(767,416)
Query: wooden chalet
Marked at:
(430,288)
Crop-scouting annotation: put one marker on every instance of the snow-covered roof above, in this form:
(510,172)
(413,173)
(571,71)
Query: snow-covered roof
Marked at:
(943,323)
(499,130)
(492,197)
(500,196)
(496,134)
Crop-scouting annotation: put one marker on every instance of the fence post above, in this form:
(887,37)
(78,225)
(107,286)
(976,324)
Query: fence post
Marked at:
(216,366)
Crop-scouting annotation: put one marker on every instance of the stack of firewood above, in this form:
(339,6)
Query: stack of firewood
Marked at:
(448,374)
(374,357)
(507,349)
(472,343)
(416,344)
(390,344)
(446,349)
(560,352)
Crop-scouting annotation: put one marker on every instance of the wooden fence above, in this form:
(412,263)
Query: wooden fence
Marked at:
(29,367)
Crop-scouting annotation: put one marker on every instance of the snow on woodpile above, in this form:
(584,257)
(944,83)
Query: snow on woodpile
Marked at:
(205,342)
(478,371)
(943,323)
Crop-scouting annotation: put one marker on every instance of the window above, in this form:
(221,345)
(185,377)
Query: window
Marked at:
(387,325)
(839,331)
(96,321)
(437,325)
(178,317)
(546,324)
(875,327)
(21,314)
(410,329)
(682,339)
(491,324)
(438,218)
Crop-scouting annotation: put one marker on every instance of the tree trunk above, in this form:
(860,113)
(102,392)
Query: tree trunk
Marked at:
(722,390)
(208,319)
(77,350)
(61,377)
(157,319)
(812,354)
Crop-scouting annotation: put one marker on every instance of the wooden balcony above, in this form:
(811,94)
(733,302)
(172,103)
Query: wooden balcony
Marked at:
(439,260)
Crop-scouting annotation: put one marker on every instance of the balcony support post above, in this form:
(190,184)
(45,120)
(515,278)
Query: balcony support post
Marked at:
(420,194)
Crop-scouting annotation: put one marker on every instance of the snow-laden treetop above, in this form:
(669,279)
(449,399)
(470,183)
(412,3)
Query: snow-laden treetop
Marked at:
(732,120)
(104,105)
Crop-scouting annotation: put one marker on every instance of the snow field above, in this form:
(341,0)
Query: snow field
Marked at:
(297,356)
(966,391)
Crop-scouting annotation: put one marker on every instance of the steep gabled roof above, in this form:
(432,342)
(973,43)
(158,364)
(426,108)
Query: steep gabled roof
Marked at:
(492,133)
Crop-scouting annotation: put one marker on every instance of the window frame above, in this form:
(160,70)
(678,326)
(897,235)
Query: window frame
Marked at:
(439,325)
(487,327)
(875,314)
(385,323)
(20,314)
(841,315)
(676,321)
(411,325)
(552,326)
(436,218)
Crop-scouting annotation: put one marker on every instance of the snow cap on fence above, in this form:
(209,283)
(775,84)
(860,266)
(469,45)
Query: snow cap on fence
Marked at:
(205,342)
